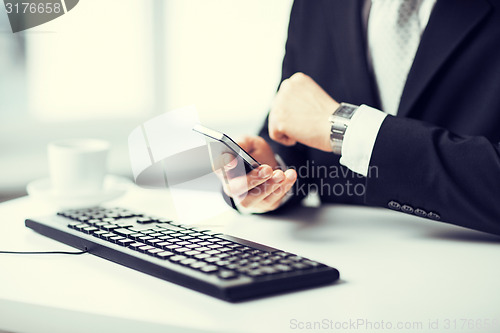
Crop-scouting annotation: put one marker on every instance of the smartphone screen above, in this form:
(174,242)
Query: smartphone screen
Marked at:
(219,144)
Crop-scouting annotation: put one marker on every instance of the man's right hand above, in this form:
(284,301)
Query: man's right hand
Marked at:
(262,189)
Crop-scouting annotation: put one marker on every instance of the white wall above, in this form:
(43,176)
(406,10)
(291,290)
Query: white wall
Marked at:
(224,56)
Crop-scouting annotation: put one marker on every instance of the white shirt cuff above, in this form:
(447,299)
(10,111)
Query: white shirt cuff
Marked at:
(359,138)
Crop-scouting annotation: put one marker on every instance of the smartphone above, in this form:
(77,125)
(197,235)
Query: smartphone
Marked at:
(224,144)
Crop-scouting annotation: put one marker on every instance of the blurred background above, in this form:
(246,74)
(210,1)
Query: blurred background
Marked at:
(105,67)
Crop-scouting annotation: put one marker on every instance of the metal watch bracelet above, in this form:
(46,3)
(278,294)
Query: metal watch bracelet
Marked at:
(339,121)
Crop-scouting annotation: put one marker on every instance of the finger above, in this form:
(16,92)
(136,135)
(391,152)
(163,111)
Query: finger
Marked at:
(247,143)
(258,193)
(225,160)
(241,185)
(273,200)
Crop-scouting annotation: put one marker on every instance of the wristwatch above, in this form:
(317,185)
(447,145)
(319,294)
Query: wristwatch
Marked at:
(340,120)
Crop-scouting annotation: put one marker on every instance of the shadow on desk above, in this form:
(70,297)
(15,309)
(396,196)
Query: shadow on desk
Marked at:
(464,235)
(337,222)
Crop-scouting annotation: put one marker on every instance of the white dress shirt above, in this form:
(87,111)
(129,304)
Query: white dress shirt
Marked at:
(360,136)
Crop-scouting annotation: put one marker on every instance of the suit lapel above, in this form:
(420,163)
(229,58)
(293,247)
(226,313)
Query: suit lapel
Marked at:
(346,30)
(450,23)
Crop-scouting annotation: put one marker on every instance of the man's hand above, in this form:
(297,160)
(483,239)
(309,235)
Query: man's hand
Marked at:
(262,189)
(300,113)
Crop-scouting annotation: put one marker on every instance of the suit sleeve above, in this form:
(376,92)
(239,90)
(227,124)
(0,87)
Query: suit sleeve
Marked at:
(428,171)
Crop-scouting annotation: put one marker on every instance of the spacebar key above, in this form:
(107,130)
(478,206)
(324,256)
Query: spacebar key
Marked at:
(248,243)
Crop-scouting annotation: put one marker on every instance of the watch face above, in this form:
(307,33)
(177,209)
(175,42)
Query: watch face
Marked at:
(345,111)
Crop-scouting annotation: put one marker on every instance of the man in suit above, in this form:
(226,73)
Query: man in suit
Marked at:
(433,153)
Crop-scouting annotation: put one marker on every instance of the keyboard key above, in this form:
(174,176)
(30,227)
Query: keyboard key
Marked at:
(145,248)
(163,244)
(212,233)
(125,242)
(165,237)
(124,232)
(115,238)
(226,275)
(136,236)
(155,251)
(72,225)
(255,272)
(198,264)
(109,227)
(213,240)
(144,220)
(136,246)
(212,252)
(172,228)
(202,256)
(212,259)
(300,266)
(204,237)
(312,263)
(195,240)
(93,221)
(222,263)
(201,249)
(188,261)
(177,258)
(182,249)
(164,254)
(89,230)
(283,268)
(154,241)
(80,226)
(107,236)
(209,269)
(192,253)
(99,233)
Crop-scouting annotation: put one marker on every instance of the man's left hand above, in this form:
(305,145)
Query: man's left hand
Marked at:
(300,113)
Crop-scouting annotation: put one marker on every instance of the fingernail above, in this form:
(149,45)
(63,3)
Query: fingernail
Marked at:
(289,174)
(265,172)
(278,176)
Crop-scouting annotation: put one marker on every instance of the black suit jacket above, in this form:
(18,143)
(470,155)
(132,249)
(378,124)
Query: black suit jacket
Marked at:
(440,157)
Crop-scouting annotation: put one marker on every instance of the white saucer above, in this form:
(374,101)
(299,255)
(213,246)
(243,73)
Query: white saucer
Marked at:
(113,187)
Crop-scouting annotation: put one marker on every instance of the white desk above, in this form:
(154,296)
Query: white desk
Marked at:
(395,269)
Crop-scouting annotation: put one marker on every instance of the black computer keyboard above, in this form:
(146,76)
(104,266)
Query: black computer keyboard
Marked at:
(219,265)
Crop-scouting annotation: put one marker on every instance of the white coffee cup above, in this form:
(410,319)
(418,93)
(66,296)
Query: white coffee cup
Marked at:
(77,166)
